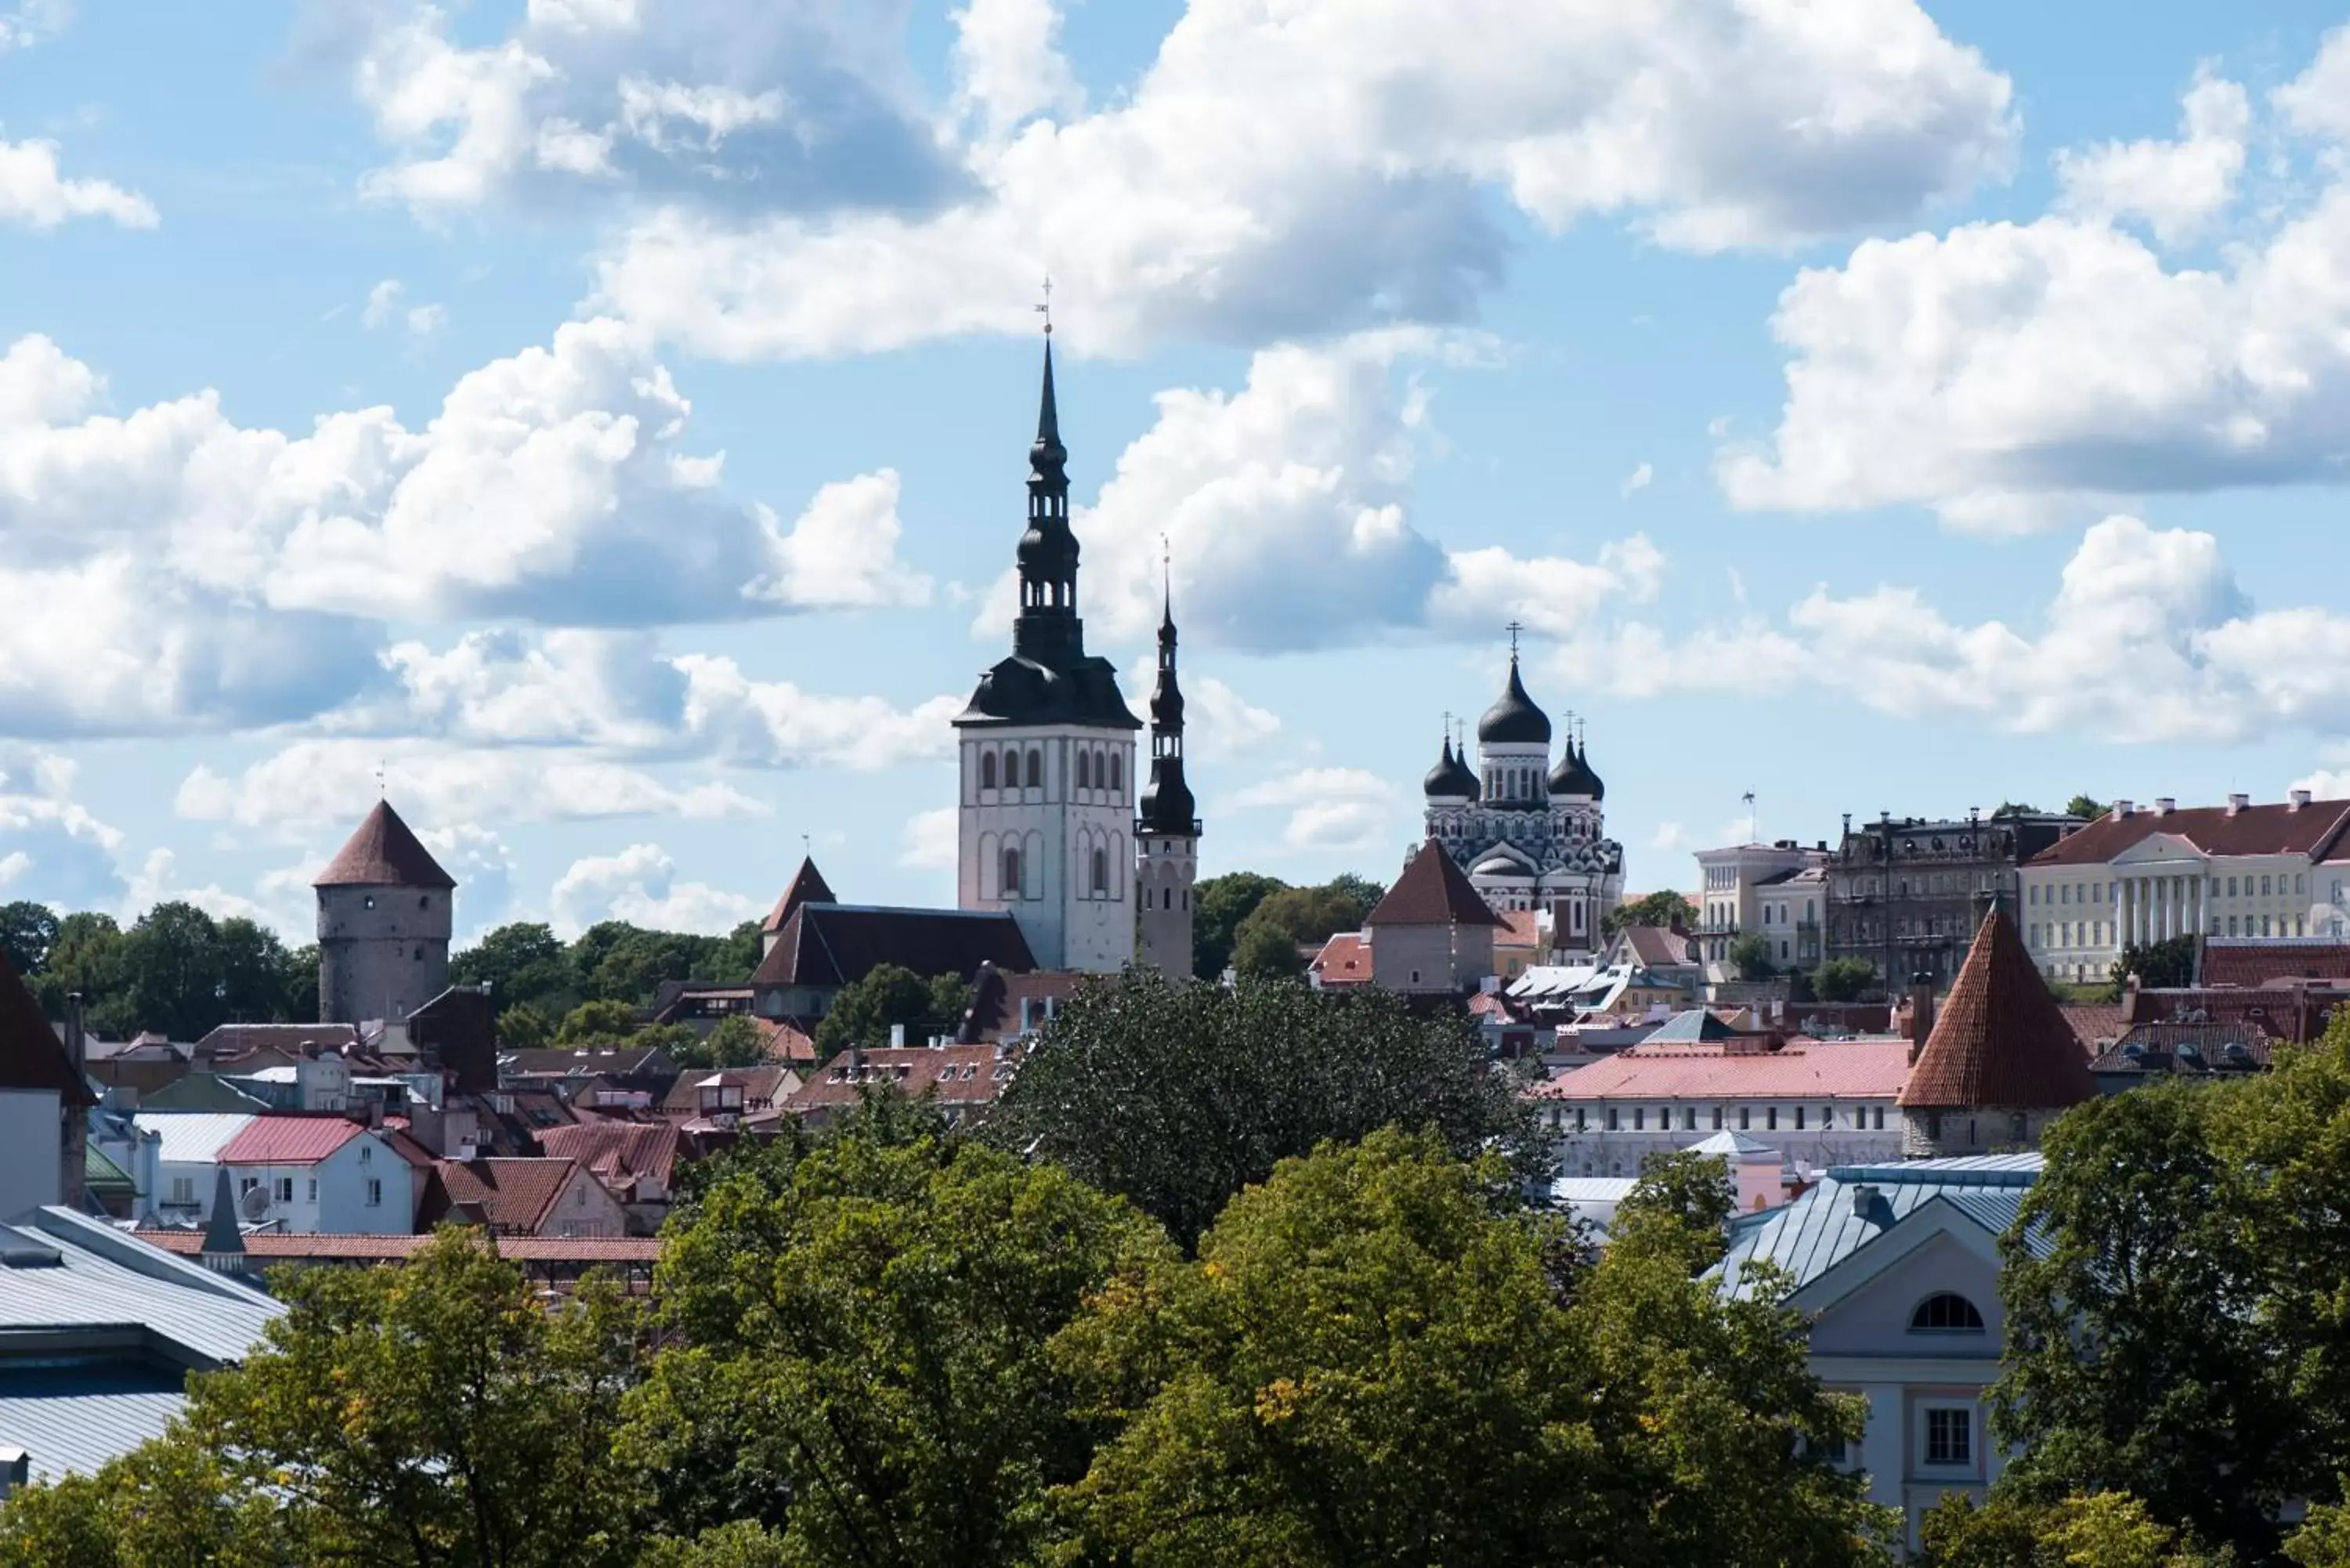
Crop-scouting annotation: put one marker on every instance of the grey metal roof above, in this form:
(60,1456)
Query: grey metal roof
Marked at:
(1826,1225)
(191,1136)
(71,1420)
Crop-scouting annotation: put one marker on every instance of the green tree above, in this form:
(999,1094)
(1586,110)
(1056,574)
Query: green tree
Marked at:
(1750,955)
(597,1024)
(522,1027)
(1679,1207)
(87,958)
(172,971)
(2168,962)
(521,962)
(1666,908)
(166,1503)
(1218,905)
(27,932)
(735,955)
(860,1363)
(1844,980)
(889,994)
(255,972)
(1362,891)
(733,1042)
(1367,1365)
(2106,1530)
(1177,1096)
(1265,953)
(302,983)
(2084,805)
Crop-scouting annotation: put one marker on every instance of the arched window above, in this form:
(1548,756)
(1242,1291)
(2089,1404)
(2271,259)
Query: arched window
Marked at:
(1101,873)
(1084,769)
(1946,1312)
(987,770)
(1011,872)
(1116,773)
(1036,768)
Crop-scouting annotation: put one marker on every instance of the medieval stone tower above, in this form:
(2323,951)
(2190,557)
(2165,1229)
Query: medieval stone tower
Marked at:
(386,911)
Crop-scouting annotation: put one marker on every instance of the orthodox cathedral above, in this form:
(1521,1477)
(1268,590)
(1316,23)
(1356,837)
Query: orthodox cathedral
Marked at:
(1530,833)
(1053,826)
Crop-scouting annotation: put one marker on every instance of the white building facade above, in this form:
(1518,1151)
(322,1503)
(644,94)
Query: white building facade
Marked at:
(1753,887)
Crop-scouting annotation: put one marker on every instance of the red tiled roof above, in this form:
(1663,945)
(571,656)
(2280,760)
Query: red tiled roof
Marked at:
(761,1085)
(31,1055)
(1657,946)
(2310,830)
(266,1244)
(961,1074)
(809,887)
(1803,1070)
(620,1153)
(1345,960)
(786,1041)
(1520,928)
(829,945)
(2092,1022)
(383,853)
(2000,1040)
(2264,963)
(1433,891)
(508,1194)
(288,1138)
(233,1040)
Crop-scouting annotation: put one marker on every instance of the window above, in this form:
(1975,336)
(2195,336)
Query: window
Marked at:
(1612,1122)
(2064,894)
(1688,1118)
(1799,1118)
(1101,874)
(1036,768)
(313,1193)
(1716,1118)
(284,1189)
(2231,925)
(2231,886)
(183,1189)
(1827,1116)
(375,1192)
(1116,773)
(987,770)
(1578,1118)
(1771,1119)
(2265,886)
(2299,881)
(1946,1312)
(1012,873)
(1639,1120)
(1880,1119)
(2264,924)
(1085,771)
(1950,1437)
(1745,1117)
(2035,893)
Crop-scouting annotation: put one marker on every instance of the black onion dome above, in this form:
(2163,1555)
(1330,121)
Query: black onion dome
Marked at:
(1598,787)
(1572,775)
(1166,805)
(1514,720)
(1449,777)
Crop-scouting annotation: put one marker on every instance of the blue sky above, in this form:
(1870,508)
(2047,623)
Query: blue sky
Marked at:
(608,418)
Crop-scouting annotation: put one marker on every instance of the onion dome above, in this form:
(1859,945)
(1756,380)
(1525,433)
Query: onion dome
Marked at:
(1514,720)
(1450,777)
(1572,775)
(1166,805)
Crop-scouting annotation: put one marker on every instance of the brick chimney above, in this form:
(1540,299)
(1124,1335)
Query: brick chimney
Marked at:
(1921,1014)
(2130,983)
(73,1152)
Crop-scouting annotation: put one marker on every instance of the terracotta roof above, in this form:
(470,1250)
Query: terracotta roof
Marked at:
(508,1194)
(620,1153)
(761,1085)
(961,1074)
(1345,960)
(1520,928)
(1658,947)
(2215,1048)
(2091,1023)
(1433,891)
(614,1061)
(2264,963)
(829,945)
(2310,830)
(809,887)
(265,1244)
(31,1055)
(383,853)
(2000,1040)
(289,1139)
(230,1040)
(786,1041)
(1803,1069)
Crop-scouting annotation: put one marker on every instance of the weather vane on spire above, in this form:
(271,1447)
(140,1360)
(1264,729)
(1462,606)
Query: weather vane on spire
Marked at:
(382,769)
(1045,309)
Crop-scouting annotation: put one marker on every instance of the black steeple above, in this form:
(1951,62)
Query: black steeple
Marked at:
(1167,804)
(1048,629)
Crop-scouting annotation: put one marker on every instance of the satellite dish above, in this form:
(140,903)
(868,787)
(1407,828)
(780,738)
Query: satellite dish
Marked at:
(254,1203)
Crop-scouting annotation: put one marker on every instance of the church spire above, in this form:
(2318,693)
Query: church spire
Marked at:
(1167,802)
(1048,630)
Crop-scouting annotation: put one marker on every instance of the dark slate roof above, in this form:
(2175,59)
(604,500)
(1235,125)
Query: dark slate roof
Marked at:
(384,853)
(830,945)
(1514,718)
(809,887)
(31,1055)
(1019,690)
(997,996)
(2000,1040)
(2312,830)
(459,1030)
(1433,891)
(1691,1026)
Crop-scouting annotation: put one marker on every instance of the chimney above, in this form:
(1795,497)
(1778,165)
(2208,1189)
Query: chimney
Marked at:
(2130,983)
(2296,799)
(2123,807)
(2236,803)
(74,1134)
(1867,1204)
(2164,805)
(1921,1014)
(897,1037)
(76,1039)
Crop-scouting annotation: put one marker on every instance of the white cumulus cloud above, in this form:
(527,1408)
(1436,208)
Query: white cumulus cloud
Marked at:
(35,192)
(641,885)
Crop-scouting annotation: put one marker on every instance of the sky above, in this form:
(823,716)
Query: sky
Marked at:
(600,424)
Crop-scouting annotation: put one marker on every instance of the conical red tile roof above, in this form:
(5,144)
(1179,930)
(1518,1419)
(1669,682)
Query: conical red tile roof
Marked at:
(1433,891)
(809,887)
(384,854)
(2000,1039)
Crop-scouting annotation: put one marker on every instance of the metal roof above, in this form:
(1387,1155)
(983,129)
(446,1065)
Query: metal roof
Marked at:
(191,1137)
(71,1420)
(1829,1223)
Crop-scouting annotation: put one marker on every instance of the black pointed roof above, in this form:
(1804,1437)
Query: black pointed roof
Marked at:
(1166,805)
(809,887)
(1449,777)
(1514,720)
(1572,775)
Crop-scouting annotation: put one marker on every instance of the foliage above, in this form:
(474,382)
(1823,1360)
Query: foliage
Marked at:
(733,1042)
(2168,962)
(597,1024)
(1368,1365)
(859,1361)
(612,961)
(1266,952)
(1218,905)
(1666,908)
(2013,808)
(1749,956)
(2085,805)
(866,1008)
(1365,892)
(430,1415)
(27,932)
(1844,980)
(1678,1209)
(525,1027)
(1311,915)
(2104,1529)
(1177,1096)
(523,963)
(177,970)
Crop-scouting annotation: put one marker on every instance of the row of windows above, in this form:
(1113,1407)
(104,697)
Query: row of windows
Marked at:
(2268,887)
(1786,913)
(1858,1119)
(1098,767)
(2063,934)
(1018,872)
